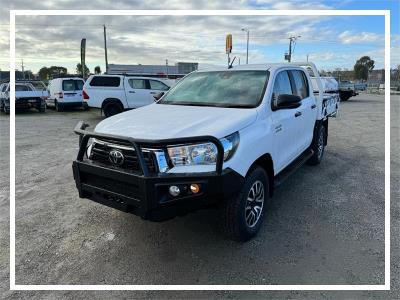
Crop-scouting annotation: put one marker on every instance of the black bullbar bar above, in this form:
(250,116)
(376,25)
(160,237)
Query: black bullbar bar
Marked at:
(138,144)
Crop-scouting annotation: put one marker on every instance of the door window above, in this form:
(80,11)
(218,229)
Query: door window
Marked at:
(157,85)
(137,84)
(300,87)
(282,86)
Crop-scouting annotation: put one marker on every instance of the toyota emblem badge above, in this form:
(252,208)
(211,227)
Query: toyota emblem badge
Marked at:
(116,157)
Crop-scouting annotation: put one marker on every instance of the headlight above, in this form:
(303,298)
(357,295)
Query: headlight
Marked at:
(197,154)
(203,154)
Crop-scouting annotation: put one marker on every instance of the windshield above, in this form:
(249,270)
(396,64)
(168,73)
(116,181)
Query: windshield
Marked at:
(22,88)
(222,89)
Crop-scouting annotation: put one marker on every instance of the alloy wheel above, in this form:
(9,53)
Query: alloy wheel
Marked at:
(254,203)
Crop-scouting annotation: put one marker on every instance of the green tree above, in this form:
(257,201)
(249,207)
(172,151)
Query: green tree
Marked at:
(46,73)
(79,70)
(363,66)
(97,70)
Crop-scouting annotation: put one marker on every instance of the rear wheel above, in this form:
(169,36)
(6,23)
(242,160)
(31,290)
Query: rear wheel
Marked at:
(58,106)
(244,214)
(112,108)
(318,146)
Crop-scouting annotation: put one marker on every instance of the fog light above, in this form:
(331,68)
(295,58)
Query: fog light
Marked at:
(174,190)
(195,188)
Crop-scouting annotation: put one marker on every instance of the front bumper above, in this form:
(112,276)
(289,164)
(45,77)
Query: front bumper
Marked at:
(148,197)
(145,194)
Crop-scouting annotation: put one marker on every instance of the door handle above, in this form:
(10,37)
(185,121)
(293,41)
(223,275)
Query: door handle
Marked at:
(297,114)
(132,92)
(313,106)
(153,93)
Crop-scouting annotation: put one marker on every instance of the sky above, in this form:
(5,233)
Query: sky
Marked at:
(329,41)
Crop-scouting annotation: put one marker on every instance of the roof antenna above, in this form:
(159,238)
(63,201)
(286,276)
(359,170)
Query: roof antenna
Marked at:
(230,66)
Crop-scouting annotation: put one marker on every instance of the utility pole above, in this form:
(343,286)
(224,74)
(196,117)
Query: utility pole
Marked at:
(105,47)
(247,51)
(292,41)
(166,67)
(22,68)
(307,57)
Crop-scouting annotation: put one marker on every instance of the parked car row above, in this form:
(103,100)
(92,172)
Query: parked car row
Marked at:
(110,93)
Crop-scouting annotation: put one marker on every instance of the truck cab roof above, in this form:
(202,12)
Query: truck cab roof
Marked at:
(255,67)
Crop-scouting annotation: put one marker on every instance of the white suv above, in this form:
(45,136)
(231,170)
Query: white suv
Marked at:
(116,93)
(221,137)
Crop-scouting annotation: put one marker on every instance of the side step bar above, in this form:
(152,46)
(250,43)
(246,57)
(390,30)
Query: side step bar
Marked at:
(290,169)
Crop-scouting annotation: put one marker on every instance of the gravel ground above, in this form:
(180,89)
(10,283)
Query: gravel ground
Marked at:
(326,224)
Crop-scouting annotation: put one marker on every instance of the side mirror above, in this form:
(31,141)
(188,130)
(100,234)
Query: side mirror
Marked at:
(158,96)
(286,101)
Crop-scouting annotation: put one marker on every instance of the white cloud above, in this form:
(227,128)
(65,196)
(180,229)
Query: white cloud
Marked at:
(352,37)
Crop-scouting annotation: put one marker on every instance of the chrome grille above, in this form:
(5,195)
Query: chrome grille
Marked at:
(100,154)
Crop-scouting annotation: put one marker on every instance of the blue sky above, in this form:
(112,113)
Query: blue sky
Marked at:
(330,41)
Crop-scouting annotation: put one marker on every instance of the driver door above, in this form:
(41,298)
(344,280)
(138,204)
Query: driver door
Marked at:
(285,124)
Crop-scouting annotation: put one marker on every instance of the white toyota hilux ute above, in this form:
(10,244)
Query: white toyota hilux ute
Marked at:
(116,93)
(220,137)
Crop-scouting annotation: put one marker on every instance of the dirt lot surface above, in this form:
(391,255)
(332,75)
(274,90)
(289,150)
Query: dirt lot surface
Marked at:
(325,226)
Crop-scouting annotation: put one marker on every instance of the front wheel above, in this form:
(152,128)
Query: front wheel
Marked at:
(244,214)
(318,146)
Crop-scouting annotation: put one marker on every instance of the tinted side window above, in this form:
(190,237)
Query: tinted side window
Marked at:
(300,84)
(157,85)
(282,85)
(105,81)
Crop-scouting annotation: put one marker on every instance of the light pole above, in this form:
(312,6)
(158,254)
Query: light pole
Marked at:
(247,52)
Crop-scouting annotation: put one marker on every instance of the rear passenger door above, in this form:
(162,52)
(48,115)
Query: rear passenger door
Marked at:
(137,93)
(307,110)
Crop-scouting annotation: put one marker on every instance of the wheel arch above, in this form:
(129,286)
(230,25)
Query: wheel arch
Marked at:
(266,162)
(318,124)
(110,100)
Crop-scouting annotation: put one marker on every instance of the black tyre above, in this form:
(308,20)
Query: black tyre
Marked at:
(112,108)
(344,98)
(58,106)
(42,108)
(318,146)
(243,215)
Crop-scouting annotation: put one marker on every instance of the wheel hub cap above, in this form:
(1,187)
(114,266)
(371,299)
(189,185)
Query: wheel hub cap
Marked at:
(254,203)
